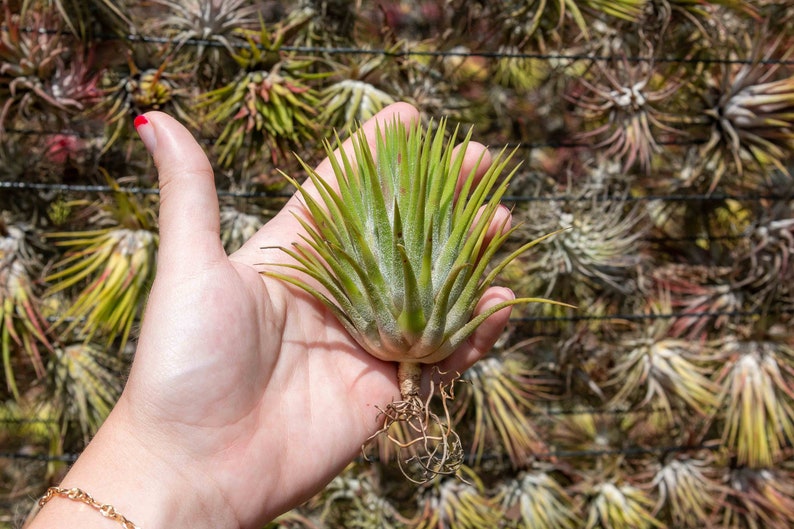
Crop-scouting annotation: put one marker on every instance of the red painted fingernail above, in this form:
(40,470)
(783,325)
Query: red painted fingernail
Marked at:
(146,132)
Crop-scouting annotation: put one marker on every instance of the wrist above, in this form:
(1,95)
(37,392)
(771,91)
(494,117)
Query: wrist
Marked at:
(150,489)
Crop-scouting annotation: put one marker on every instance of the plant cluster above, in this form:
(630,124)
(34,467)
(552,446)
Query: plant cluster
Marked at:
(655,138)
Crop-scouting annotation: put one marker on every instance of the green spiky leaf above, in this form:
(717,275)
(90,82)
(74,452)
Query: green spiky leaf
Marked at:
(398,250)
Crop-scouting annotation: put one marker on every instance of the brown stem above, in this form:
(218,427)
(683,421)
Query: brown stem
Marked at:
(409,377)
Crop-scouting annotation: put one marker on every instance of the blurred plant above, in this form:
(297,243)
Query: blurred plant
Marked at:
(688,493)
(759,499)
(84,384)
(501,391)
(757,398)
(535,500)
(703,299)
(623,105)
(352,500)
(763,264)
(202,28)
(269,105)
(453,503)
(526,17)
(42,75)
(518,70)
(323,23)
(749,108)
(237,227)
(22,327)
(111,266)
(599,249)
(137,91)
(613,506)
(670,370)
(88,18)
(353,99)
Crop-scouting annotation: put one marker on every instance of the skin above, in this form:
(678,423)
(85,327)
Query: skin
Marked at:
(246,397)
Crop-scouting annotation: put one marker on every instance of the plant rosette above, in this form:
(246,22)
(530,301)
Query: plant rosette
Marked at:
(400,251)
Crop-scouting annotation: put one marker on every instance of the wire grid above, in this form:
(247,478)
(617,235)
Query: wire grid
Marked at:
(86,190)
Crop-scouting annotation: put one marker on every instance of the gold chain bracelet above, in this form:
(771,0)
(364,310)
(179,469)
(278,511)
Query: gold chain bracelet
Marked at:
(75,494)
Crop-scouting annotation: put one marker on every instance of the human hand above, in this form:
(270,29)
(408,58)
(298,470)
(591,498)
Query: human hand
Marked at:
(246,395)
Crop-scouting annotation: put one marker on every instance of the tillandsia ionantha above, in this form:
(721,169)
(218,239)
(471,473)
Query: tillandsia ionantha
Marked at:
(403,250)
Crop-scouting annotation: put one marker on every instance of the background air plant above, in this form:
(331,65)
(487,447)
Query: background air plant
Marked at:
(687,491)
(43,76)
(23,333)
(204,29)
(269,105)
(597,251)
(113,265)
(501,392)
(669,370)
(85,384)
(625,106)
(758,400)
(457,504)
(619,506)
(762,498)
(750,111)
(535,500)
(353,500)
(85,18)
(352,99)
(401,252)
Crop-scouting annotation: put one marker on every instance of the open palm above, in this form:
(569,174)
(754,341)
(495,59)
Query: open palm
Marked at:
(239,378)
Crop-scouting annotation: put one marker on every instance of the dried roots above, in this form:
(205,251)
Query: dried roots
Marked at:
(432,448)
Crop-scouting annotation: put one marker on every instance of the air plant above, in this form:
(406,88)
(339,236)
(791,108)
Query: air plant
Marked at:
(518,70)
(687,491)
(527,18)
(270,104)
(42,75)
(401,251)
(352,500)
(757,399)
(749,109)
(111,267)
(323,22)
(85,19)
(702,298)
(759,499)
(619,506)
(669,370)
(84,385)
(202,28)
(624,107)
(353,99)
(501,392)
(22,327)
(535,500)
(237,227)
(597,252)
(457,504)
(763,264)
(137,91)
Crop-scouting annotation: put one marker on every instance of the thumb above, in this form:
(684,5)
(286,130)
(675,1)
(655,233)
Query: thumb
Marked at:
(189,219)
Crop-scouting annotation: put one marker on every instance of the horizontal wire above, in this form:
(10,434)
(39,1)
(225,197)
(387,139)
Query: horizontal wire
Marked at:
(103,188)
(660,316)
(626,451)
(343,50)
(509,146)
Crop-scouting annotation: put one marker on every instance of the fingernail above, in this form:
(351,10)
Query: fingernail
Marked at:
(146,132)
